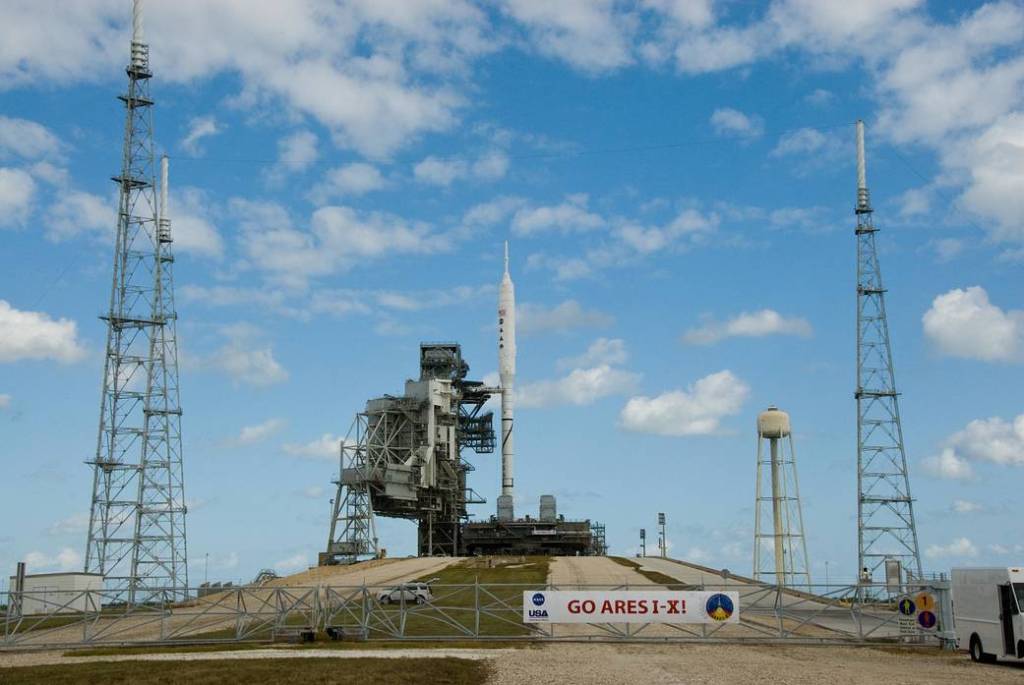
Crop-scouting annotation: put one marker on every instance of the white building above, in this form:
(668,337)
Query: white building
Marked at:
(48,593)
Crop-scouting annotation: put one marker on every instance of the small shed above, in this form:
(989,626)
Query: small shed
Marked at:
(62,593)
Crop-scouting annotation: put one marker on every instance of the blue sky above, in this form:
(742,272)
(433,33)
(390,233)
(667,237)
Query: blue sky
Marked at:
(676,179)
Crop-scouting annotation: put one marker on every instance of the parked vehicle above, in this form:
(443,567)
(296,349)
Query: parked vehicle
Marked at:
(408,592)
(987,610)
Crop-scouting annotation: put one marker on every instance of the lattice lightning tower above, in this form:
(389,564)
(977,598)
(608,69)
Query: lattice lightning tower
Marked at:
(885,509)
(137,519)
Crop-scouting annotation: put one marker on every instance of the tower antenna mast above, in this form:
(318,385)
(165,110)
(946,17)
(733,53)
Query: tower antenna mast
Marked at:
(886,530)
(137,517)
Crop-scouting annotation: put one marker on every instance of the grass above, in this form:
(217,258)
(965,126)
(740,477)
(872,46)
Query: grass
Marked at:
(319,644)
(442,671)
(501,614)
(653,576)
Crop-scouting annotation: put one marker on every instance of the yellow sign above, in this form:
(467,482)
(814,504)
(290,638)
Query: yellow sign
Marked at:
(925,602)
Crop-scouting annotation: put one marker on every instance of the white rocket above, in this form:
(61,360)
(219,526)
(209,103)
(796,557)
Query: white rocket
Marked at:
(507,373)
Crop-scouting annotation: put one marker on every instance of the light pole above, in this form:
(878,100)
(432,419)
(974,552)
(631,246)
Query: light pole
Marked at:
(664,541)
(206,569)
(643,542)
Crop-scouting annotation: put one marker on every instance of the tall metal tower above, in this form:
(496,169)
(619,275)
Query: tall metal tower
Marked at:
(780,555)
(885,510)
(137,519)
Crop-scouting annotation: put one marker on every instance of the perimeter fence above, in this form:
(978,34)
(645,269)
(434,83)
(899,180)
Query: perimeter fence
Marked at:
(767,613)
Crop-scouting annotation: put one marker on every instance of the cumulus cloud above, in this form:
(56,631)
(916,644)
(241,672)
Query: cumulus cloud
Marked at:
(579,387)
(198,129)
(35,335)
(565,316)
(339,238)
(588,34)
(246,358)
(964,323)
(698,410)
(571,215)
(962,506)
(17,191)
(292,563)
(611,351)
(357,178)
(192,223)
(443,172)
(734,123)
(961,548)
(296,152)
(27,139)
(749,325)
(74,524)
(67,559)
(948,465)
(76,212)
(327,446)
(994,439)
(257,433)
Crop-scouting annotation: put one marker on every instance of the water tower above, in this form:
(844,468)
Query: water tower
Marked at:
(780,550)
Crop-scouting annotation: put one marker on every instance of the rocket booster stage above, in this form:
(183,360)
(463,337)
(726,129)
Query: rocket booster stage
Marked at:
(507,372)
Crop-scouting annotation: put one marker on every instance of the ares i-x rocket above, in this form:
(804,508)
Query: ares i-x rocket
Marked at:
(507,374)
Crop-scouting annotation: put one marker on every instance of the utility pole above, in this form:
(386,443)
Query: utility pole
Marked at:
(885,509)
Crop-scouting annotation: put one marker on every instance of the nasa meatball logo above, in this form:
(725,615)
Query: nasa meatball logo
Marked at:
(719,607)
(538,599)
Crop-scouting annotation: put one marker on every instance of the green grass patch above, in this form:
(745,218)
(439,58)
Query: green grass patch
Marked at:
(653,576)
(441,671)
(496,584)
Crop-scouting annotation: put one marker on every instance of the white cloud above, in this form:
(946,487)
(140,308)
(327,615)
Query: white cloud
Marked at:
(17,190)
(807,142)
(960,548)
(587,34)
(327,446)
(570,215)
(256,433)
(946,249)
(443,172)
(357,178)
(313,492)
(963,323)
(246,358)
(948,465)
(962,506)
(340,237)
(565,316)
(198,129)
(292,563)
(72,525)
(750,325)
(67,559)
(75,212)
(192,224)
(819,97)
(5,401)
(734,123)
(698,410)
(34,335)
(296,152)
(376,74)
(27,139)
(610,351)
(993,439)
(641,239)
(579,387)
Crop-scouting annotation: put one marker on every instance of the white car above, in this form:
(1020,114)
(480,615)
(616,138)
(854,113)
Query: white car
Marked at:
(409,592)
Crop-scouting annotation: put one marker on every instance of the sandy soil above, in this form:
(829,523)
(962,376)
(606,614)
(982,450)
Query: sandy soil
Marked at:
(663,664)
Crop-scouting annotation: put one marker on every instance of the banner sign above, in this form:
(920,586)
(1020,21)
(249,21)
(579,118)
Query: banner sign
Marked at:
(630,606)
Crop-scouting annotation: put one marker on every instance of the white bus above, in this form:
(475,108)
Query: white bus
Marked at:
(987,610)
